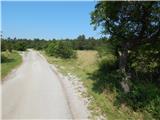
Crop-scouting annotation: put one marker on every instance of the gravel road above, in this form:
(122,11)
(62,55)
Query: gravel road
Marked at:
(34,91)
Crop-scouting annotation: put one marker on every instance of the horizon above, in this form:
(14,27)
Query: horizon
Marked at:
(47,20)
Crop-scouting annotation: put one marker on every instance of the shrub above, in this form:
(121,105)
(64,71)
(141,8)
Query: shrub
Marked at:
(142,97)
(3,58)
(65,50)
(108,64)
(51,49)
(61,49)
(20,46)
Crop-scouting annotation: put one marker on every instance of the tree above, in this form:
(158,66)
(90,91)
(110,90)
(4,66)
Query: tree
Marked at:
(129,24)
(81,37)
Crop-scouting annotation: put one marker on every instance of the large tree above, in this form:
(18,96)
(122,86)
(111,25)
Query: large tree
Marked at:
(129,24)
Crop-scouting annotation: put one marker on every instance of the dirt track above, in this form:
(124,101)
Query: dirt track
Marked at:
(34,91)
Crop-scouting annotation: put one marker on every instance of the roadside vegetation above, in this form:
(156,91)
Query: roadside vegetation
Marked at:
(104,102)
(134,29)
(61,49)
(121,72)
(9,61)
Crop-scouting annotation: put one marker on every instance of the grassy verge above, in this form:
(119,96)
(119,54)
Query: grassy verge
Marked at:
(103,103)
(11,61)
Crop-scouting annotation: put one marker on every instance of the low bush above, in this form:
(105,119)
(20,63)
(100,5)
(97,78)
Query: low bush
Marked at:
(3,58)
(142,97)
(51,49)
(61,49)
(108,64)
(20,46)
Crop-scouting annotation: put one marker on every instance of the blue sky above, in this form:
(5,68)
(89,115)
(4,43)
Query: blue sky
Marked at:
(47,19)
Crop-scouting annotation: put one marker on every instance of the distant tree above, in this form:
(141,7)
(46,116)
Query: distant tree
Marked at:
(81,37)
(80,43)
(15,38)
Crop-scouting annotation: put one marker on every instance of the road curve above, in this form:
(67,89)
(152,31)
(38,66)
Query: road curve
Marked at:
(33,91)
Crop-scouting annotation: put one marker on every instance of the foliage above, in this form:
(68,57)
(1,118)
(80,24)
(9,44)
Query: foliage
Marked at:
(142,97)
(61,49)
(145,63)
(134,30)
(20,46)
(65,50)
(23,44)
(6,45)
(129,24)
(80,43)
(51,49)
(3,58)
(132,22)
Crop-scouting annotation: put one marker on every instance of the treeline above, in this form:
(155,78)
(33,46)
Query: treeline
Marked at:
(80,43)
(22,44)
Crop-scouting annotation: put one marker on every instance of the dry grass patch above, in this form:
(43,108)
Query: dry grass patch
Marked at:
(86,58)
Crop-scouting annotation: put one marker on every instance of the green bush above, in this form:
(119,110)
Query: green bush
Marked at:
(20,46)
(51,49)
(3,58)
(154,107)
(61,49)
(108,64)
(144,97)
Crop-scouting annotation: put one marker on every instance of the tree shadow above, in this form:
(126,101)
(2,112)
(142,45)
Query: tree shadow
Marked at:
(106,77)
(105,81)
(142,95)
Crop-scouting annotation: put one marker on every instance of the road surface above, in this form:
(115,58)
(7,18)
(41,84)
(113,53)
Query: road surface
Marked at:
(34,91)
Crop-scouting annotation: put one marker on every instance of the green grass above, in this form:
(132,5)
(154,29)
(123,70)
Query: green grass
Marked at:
(103,103)
(13,60)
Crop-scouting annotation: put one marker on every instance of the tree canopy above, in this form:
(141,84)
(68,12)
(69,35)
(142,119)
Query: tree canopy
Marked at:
(129,24)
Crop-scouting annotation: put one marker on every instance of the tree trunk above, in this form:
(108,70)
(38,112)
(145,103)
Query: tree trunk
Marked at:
(123,58)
